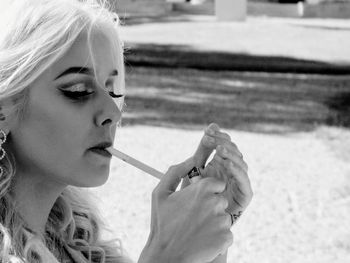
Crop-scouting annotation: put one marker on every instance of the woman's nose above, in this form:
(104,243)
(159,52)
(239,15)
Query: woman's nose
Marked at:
(109,111)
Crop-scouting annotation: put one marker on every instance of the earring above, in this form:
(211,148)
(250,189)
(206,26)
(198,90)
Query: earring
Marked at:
(2,150)
(2,116)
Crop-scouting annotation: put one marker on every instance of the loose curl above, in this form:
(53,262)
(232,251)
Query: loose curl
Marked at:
(33,35)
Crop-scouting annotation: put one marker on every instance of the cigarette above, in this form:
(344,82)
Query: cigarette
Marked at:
(136,163)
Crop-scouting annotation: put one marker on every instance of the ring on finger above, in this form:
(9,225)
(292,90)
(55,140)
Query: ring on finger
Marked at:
(194,172)
(235,217)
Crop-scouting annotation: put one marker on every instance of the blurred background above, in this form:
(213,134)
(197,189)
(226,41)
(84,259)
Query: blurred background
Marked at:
(274,75)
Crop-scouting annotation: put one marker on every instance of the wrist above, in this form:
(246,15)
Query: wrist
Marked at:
(153,252)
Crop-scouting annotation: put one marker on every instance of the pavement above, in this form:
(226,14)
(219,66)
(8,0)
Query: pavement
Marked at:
(266,44)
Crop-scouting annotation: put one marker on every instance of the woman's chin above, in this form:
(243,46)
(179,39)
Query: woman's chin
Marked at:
(90,179)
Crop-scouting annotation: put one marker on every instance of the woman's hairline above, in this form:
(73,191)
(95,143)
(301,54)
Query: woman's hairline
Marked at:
(87,28)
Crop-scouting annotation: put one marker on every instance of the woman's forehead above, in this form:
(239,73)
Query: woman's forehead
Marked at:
(95,51)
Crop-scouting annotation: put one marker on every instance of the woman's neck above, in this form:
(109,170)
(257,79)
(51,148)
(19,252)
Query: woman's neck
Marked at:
(34,198)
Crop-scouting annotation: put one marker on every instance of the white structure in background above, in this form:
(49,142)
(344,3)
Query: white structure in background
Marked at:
(231,10)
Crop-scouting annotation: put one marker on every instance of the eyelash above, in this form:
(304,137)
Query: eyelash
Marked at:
(81,95)
(113,95)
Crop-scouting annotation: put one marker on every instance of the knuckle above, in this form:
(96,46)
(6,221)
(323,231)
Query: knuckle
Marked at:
(225,202)
(234,146)
(171,168)
(226,136)
(222,203)
(213,201)
(219,203)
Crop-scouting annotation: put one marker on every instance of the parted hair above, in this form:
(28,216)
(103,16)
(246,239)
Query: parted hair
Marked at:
(33,35)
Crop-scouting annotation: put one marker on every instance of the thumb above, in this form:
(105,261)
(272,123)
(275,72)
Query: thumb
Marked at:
(170,181)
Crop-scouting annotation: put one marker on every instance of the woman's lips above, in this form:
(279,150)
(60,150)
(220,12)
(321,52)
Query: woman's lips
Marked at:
(101,151)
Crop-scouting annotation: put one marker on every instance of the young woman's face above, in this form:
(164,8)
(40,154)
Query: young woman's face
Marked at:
(67,113)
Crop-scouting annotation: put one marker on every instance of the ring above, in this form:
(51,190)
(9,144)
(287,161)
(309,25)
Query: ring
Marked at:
(194,172)
(234,217)
(3,139)
(3,152)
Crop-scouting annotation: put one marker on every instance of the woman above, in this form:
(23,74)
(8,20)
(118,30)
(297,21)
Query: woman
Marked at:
(61,97)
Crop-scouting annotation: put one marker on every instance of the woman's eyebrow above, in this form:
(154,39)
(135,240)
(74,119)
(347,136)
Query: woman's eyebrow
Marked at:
(82,70)
(75,70)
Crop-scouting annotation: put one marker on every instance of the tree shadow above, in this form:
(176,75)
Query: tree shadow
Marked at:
(324,27)
(249,101)
(184,56)
(340,105)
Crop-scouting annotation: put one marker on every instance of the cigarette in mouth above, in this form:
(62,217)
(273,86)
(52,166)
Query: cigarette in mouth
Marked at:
(136,163)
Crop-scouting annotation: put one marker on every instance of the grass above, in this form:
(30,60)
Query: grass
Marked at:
(298,162)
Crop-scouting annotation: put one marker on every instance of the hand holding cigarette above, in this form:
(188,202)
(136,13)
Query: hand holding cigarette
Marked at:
(227,165)
(222,184)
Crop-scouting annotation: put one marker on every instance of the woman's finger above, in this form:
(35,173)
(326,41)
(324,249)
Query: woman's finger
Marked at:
(241,181)
(218,134)
(236,172)
(226,153)
(224,140)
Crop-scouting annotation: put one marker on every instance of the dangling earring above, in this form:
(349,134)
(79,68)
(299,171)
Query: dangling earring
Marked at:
(2,150)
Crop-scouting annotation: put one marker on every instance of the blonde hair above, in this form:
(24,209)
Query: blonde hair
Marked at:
(33,35)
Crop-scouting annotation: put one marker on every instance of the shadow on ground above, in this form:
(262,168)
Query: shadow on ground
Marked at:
(249,101)
(134,19)
(325,27)
(184,56)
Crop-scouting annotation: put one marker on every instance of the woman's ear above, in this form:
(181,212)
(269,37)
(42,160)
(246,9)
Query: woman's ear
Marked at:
(3,124)
(7,119)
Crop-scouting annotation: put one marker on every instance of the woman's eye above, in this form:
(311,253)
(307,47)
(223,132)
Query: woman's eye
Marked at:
(77,92)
